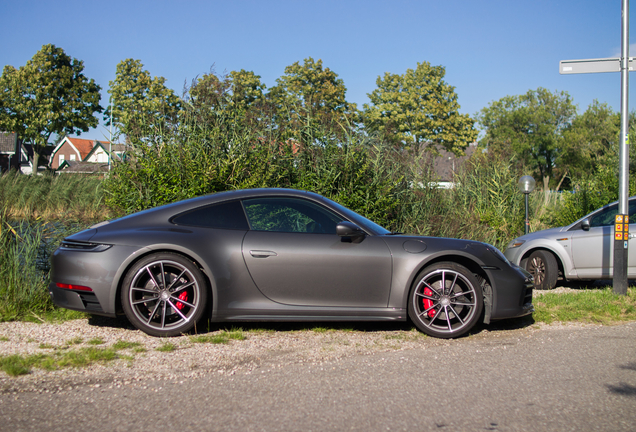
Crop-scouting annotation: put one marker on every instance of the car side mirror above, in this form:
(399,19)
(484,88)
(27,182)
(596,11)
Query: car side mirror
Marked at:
(585,224)
(349,229)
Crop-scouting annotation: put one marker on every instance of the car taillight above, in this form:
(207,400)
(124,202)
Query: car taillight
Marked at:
(73,287)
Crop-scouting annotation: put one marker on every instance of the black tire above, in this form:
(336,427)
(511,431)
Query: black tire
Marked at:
(164,294)
(449,313)
(544,269)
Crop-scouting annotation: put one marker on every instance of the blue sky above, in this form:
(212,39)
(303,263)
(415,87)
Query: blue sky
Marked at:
(490,48)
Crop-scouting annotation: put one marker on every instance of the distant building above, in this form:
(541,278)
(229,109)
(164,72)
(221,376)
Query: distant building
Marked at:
(75,155)
(10,146)
(447,164)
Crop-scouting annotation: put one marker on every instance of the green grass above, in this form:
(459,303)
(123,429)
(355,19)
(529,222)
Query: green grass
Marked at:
(600,306)
(75,341)
(15,365)
(219,338)
(119,345)
(66,357)
(166,347)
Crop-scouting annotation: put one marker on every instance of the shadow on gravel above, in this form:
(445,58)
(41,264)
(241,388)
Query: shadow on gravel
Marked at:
(591,284)
(622,389)
(318,327)
(102,321)
(503,325)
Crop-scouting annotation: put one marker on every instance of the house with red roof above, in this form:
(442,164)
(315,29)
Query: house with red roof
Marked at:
(91,155)
(71,149)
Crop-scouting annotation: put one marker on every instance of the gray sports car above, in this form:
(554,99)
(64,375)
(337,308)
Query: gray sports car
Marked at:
(280,255)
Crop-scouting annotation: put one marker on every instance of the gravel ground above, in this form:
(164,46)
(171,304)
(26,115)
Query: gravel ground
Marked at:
(261,347)
(268,345)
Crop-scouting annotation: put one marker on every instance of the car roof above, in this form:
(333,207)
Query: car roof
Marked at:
(167,210)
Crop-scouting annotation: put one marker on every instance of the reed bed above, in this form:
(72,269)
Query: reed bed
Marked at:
(36,212)
(74,198)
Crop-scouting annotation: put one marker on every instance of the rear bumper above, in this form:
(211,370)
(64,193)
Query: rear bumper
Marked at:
(79,301)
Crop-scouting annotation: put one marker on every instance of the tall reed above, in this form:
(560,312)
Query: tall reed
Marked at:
(24,268)
(63,197)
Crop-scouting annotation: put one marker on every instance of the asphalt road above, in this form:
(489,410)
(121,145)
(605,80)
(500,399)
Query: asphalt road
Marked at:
(567,378)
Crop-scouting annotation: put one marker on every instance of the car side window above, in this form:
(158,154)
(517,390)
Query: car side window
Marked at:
(227,215)
(606,217)
(290,215)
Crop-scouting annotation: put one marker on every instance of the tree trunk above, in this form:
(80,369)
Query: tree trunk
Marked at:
(36,161)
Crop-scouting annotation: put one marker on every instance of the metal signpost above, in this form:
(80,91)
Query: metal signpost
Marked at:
(622,65)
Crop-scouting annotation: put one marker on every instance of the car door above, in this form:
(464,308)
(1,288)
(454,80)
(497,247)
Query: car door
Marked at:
(593,249)
(295,257)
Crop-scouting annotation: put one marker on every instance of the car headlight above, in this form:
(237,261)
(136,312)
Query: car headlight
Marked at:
(515,243)
(84,246)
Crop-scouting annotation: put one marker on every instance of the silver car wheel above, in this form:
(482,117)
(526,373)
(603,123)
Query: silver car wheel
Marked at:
(544,269)
(164,295)
(446,301)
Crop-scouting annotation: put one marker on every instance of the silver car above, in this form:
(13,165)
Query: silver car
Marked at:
(580,251)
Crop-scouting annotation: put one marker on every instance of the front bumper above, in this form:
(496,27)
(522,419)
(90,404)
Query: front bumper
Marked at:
(513,288)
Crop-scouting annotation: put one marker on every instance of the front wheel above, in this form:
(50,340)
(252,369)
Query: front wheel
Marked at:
(544,269)
(446,300)
(164,295)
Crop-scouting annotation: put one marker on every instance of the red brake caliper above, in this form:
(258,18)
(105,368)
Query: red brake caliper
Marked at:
(183,296)
(429,303)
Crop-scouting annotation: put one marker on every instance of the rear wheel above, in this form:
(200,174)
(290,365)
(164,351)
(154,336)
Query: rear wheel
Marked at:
(164,294)
(446,300)
(544,269)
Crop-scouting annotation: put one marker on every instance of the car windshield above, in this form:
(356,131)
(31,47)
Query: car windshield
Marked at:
(350,214)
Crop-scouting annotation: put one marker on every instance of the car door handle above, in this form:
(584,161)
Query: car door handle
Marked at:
(262,253)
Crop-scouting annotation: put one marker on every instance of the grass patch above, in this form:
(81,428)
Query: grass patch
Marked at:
(588,306)
(119,345)
(4,339)
(219,338)
(166,347)
(15,365)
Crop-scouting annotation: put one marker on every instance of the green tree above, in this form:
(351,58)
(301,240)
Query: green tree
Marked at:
(590,138)
(49,95)
(246,88)
(419,108)
(140,103)
(533,126)
(308,95)
(238,90)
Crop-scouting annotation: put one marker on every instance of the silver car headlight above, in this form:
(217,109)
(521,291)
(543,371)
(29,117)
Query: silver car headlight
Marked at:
(515,243)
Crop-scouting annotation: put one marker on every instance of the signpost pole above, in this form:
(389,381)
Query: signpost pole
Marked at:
(621,239)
